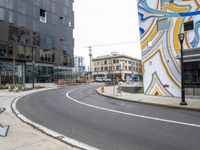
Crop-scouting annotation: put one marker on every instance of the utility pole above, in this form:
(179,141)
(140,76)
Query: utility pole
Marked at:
(90,55)
(132,73)
(13,75)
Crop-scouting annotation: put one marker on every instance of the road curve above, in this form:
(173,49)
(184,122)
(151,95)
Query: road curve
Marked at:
(108,130)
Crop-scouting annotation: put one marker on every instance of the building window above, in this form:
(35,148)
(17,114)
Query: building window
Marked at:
(1,3)
(188,25)
(21,7)
(36,26)
(65,11)
(66,3)
(11,17)
(18,35)
(36,39)
(47,55)
(53,7)
(21,51)
(1,14)
(43,15)
(8,3)
(36,2)
(6,50)
(21,20)
(35,13)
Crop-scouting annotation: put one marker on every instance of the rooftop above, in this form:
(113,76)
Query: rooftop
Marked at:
(114,55)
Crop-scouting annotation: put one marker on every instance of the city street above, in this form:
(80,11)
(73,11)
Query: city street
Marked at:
(109,124)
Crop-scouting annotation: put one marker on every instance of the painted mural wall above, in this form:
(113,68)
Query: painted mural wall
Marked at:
(161,69)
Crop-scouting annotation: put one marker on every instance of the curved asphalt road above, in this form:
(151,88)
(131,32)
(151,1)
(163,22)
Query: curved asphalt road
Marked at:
(109,130)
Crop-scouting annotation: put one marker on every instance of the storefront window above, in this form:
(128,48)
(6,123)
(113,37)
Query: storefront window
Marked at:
(43,74)
(7,75)
(192,73)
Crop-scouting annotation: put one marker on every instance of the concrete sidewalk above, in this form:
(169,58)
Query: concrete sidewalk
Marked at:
(20,135)
(193,103)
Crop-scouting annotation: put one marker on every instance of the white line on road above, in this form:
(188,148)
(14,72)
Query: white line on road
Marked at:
(56,135)
(130,114)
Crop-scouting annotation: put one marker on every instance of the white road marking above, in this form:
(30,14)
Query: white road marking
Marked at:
(56,135)
(130,114)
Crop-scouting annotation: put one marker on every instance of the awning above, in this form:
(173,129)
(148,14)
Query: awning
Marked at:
(191,55)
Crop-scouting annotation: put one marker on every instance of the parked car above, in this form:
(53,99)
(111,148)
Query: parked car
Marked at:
(98,79)
(102,79)
(106,80)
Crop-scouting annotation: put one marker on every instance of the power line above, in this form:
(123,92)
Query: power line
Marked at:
(109,44)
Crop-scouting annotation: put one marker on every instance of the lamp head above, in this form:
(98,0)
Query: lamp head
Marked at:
(181,37)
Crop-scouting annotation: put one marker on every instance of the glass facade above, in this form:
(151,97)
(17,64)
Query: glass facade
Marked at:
(1,13)
(6,50)
(42,74)
(25,38)
(11,71)
(63,73)
(192,78)
(192,73)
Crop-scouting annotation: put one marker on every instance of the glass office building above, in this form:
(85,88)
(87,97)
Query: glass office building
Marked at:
(36,33)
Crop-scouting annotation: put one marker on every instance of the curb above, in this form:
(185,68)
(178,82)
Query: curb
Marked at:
(58,136)
(148,103)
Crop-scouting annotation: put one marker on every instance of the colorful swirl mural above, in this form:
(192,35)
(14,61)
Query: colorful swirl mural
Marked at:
(161,69)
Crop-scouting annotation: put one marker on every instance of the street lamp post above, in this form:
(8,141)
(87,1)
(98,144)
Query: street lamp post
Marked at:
(113,76)
(181,39)
(13,74)
(90,55)
(132,73)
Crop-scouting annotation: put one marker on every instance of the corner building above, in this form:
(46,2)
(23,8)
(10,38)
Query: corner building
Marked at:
(116,67)
(36,34)
(160,23)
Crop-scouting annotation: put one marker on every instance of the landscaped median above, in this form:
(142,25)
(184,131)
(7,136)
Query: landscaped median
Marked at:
(174,102)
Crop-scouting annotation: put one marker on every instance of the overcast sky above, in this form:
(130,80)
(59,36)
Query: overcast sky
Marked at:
(101,22)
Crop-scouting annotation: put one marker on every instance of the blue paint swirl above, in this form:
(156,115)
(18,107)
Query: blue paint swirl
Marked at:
(142,31)
(142,5)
